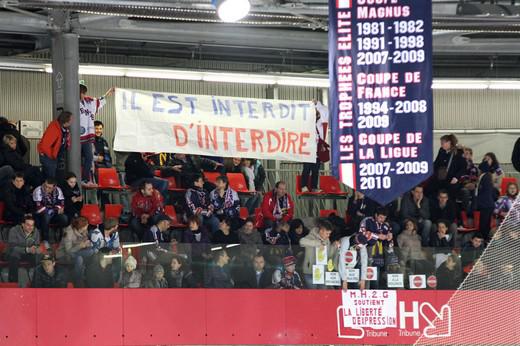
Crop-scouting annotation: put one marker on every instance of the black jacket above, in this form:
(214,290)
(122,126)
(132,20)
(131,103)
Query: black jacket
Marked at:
(447,279)
(71,208)
(10,129)
(487,194)
(220,238)
(97,277)
(18,202)
(515,157)
(44,280)
(448,213)
(13,159)
(217,277)
(458,164)
(249,280)
(136,168)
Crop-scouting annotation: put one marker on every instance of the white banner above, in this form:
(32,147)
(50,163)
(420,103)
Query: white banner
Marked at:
(376,309)
(149,121)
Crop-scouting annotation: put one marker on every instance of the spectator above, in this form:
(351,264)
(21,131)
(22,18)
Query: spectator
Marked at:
(235,166)
(411,253)
(18,200)
(50,205)
(225,235)
(76,247)
(217,275)
(7,128)
(138,170)
(277,205)
(442,239)
(248,169)
(415,206)
(312,169)
(449,166)
(317,238)
(197,236)
(179,276)
(504,203)
(131,277)
(158,253)
(448,274)
(23,245)
(486,195)
(354,242)
(54,143)
(102,157)
(99,273)
(225,201)
(289,278)
(444,209)
(359,207)
(472,250)
(297,231)
(12,158)
(278,234)
(260,175)
(88,108)
(47,275)
(257,276)
(199,205)
(188,167)
(469,181)
(109,239)
(250,239)
(147,204)
(157,280)
(72,195)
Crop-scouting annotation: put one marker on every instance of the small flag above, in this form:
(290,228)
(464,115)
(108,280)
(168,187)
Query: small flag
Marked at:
(343,3)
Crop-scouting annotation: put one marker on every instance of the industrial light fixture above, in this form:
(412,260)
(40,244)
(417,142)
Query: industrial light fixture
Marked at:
(230,11)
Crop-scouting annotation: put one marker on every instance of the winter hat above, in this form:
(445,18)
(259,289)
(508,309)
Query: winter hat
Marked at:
(158,269)
(289,260)
(132,262)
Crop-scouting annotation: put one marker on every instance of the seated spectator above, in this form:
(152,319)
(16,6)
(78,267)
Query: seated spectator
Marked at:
(487,194)
(504,203)
(449,167)
(99,273)
(297,231)
(257,276)
(179,276)
(131,277)
(147,204)
(108,239)
(23,245)
(217,275)
(225,235)
(72,195)
(198,250)
(442,239)
(225,201)
(54,144)
(317,238)
(17,199)
(250,239)
(278,234)
(8,128)
(158,253)
(415,206)
(187,167)
(13,158)
(359,207)
(411,252)
(199,205)
(472,250)
(102,157)
(449,274)
(355,241)
(444,209)
(76,248)
(288,278)
(138,170)
(277,205)
(47,275)
(157,280)
(50,205)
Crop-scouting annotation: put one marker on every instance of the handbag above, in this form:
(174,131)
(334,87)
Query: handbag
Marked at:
(442,172)
(323,151)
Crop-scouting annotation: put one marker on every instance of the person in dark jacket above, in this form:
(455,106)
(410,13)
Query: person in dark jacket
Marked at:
(72,194)
(47,275)
(442,239)
(137,170)
(12,157)
(17,199)
(297,231)
(225,235)
(99,272)
(449,167)
(217,275)
(198,249)
(225,201)
(515,156)
(179,275)
(157,234)
(257,276)
(486,196)
(472,250)
(186,167)
(6,128)
(415,206)
(449,274)
(444,209)
(359,207)
(278,234)
(198,204)
(102,157)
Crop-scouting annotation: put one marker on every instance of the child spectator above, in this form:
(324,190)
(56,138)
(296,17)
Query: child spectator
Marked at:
(289,278)
(17,199)
(131,277)
(50,205)
(277,205)
(504,203)
(179,276)
(47,275)
(199,205)
(157,280)
(72,195)
(54,144)
(23,245)
(147,205)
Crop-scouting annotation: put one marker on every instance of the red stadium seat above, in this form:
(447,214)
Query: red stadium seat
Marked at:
(506,181)
(172,185)
(330,186)
(92,213)
(115,211)
(170,211)
(328,212)
(244,213)
(108,179)
(299,190)
(259,218)
(466,226)
(2,210)
(211,176)
(237,182)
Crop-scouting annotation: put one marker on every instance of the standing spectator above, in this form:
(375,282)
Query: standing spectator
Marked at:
(317,238)
(157,280)
(225,235)
(158,253)
(486,195)
(72,195)
(188,167)
(138,170)
(289,278)
(7,128)
(102,157)
(359,207)
(449,166)
(13,158)
(88,108)
(179,275)
(515,156)
(444,209)
(469,181)
(504,203)
(248,169)
(50,207)
(448,274)
(260,175)
(225,201)
(147,204)
(47,275)
(54,144)
(199,205)
(218,275)
(277,205)
(257,276)
(415,206)
(131,277)
(354,242)
(99,273)
(23,245)
(76,247)
(18,200)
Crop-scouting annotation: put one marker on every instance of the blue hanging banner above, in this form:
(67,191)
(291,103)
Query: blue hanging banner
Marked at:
(380,70)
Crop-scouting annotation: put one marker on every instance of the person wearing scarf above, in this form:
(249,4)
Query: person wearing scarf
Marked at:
(504,203)
(277,205)
(224,200)
(199,204)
